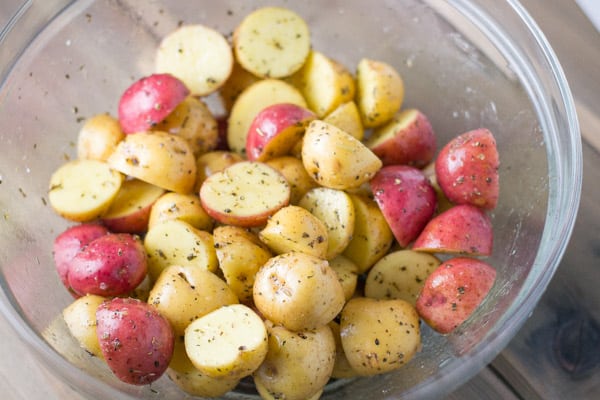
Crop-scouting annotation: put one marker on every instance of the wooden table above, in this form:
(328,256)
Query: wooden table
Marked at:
(529,367)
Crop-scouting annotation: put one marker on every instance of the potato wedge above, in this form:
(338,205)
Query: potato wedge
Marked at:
(200,56)
(294,173)
(83,190)
(379,336)
(80,317)
(335,209)
(98,137)
(347,118)
(183,207)
(178,243)
(335,159)
(298,291)
(380,92)
(293,228)
(240,254)
(228,342)
(400,275)
(244,194)
(372,236)
(272,42)
(158,158)
(251,101)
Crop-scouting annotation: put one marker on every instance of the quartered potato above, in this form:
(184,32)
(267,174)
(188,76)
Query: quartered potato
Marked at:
(347,118)
(83,190)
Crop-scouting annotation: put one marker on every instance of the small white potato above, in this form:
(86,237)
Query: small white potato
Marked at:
(251,101)
(183,294)
(380,92)
(199,56)
(298,291)
(335,209)
(347,118)
(228,342)
(293,171)
(293,228)
(335,159)
(184,207)
(176,242)
(400,275)
(272,42)
(347,273)
(83,190)
(80,317)
(157,157)
(98,137)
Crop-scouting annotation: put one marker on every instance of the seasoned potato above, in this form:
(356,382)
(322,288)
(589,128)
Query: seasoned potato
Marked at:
(80,317)
(237,82)
(347,118)
(157,157)
(341,368)
(176,242)
(298,364)
(379,336)
(83,190)
(193,121)
(183,207)
(212,162)
(240,254)
(183,294)
(293,228)
(200,56)
(266,395)
(99,137)
(251,101)
(335,159)
(400,275)
(272,42)
(347,273)
(335,209)
(228,342)
(372,236)
(293,171)
(380,92)
(298,291)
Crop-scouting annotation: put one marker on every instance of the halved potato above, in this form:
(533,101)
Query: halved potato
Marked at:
(80,317)
(239,80)
(293,171)
(99,137)
(213,161)
(184,207)
(347,273)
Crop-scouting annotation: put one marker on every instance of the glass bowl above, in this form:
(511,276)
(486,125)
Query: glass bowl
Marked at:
(466,64)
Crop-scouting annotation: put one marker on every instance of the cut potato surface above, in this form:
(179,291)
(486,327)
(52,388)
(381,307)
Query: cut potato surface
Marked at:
(80,317)
(83,190)
(198,55)
(251,101)
(244,194)
(347,118)
(99,137)
(184,207)
(272,42)
(228,342)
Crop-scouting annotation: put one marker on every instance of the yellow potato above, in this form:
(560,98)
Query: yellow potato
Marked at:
(157,157)
(335,209)
(380,92)
(183,294)
(251,101)
(239,80)
(372,236)
(176,242)
(266,395)
(228,342)
(80,317)
(99,137)
(83,190)
(342,368)
(335,159)
(212,162)
(400,275)
(272,42)
(184,207)
(240,254)
(193,121)
(199,56)
(324,83)
(347,273)
(379,336)
(347,118)
(294,173)
(298,291)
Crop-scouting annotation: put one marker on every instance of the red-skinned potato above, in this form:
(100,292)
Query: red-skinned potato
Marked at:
(407,139)
(406,199)
(453,291)
(463,229)
(136,341)
(111,265)
(275,130)
(149,100)
(467,169)
(70,242)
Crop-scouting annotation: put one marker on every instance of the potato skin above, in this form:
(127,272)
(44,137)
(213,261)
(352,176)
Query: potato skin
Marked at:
(111,265)
(136,341)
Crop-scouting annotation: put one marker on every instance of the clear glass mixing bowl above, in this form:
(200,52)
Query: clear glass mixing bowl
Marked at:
(465,64)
